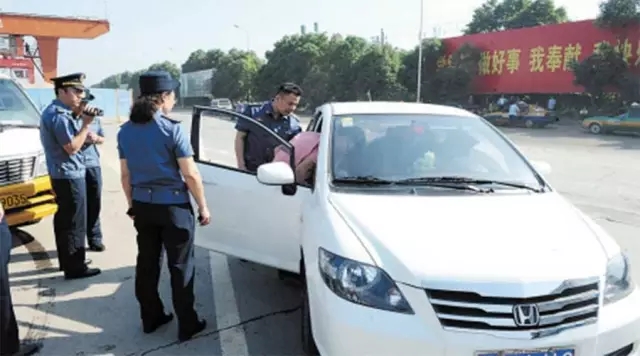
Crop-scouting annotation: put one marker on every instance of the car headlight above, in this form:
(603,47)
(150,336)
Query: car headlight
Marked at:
(40,168)
(618,279)
(361,283)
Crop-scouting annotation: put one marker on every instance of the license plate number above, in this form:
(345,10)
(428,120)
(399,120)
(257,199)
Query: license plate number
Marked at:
(552,352)
(13,201)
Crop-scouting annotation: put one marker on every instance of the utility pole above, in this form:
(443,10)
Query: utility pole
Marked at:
(419,76)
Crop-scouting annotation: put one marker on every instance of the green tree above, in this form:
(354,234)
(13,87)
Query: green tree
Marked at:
(377,74)
(201,60)
(235,75)
(619,15)
(432,51)
(166,66)
(600,71)
(496,15)
(291,60)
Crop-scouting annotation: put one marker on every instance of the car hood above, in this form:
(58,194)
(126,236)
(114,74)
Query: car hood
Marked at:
(481,238)
(19,141)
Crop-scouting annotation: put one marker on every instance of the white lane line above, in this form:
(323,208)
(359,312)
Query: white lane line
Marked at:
(233,342)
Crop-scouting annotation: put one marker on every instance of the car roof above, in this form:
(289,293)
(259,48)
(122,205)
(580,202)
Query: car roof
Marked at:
(395,107)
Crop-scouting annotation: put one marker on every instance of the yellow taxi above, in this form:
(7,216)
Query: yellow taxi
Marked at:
(25,187)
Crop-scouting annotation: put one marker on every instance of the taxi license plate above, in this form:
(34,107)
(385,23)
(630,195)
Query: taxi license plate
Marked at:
(545,352)
(13,201)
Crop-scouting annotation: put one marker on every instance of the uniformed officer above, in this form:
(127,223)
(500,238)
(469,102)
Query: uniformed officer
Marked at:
(64,128)
(9,338)
(154,153)
(252,145)
(93,180)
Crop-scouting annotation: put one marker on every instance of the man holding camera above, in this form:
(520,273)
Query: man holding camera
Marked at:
(64,129)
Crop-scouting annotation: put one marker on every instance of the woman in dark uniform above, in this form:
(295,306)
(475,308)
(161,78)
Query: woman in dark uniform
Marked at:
(155,154)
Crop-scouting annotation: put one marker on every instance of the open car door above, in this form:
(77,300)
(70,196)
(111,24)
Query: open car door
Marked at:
(249,220)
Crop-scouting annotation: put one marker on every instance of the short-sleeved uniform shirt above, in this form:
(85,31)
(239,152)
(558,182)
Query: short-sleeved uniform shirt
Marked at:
(152,150)
(90,150)
(258,145)
(58,128)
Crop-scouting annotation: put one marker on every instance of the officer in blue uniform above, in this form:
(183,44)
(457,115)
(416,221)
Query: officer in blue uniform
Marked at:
(155,154)
(93,180)
(253,146)
(64,128)
(9,338)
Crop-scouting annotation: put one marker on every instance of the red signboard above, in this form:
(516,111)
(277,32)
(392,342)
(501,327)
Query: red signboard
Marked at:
(535,60)
(21,69)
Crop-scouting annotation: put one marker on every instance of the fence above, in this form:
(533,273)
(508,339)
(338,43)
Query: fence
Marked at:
(116,103)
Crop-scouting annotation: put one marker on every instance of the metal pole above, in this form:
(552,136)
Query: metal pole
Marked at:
(419,76)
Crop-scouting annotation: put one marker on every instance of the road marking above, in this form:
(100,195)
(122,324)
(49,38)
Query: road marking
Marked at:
(232,341)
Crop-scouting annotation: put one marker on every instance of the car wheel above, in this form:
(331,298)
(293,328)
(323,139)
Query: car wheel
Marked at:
(529,123)
(308,343)
(595,128)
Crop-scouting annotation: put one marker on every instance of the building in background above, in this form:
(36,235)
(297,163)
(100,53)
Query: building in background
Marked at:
(13,62)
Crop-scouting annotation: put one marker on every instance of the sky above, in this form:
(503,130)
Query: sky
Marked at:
(143,33)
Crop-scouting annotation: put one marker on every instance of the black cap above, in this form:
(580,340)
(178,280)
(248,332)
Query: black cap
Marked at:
(75,80)
(87,95)
(155,82)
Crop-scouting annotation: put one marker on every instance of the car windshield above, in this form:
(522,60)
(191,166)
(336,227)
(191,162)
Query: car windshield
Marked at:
(394,147)
(15,106)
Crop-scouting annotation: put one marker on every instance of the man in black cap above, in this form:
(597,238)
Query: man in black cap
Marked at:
(64,127)
(9,338)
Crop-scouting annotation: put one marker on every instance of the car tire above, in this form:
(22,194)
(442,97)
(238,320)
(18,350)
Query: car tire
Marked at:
(595,128)
(308,343)
(529,123)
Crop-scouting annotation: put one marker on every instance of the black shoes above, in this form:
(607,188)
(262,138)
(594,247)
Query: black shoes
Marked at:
(86,263)
(97,247)
(189,332)
(150,327)
(84,273)
(28,350)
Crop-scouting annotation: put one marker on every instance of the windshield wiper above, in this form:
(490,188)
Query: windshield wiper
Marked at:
(466,180)
(371,180)
(363,180)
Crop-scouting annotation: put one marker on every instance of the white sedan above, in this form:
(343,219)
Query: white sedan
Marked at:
(426,232)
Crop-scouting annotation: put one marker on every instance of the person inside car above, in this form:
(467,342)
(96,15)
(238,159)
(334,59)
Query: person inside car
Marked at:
(306,155)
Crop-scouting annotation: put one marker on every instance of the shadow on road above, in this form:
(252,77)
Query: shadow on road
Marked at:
(574,131)
(100,315)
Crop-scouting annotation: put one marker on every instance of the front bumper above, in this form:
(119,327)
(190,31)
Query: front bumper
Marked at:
(39,201)
(342,328)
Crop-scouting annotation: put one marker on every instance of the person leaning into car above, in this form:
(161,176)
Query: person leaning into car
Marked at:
(253,146)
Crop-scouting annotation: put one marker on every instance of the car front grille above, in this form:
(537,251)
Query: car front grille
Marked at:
(16,170)
(572,306)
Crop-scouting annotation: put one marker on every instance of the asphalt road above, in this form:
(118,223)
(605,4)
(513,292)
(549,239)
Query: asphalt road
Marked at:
(250,311)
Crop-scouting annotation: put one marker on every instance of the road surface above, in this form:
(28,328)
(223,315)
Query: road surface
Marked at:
(251,312)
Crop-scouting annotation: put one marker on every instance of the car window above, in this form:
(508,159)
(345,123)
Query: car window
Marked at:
(15,106)
(410,146)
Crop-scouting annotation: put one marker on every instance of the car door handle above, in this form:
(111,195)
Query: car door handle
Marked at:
(207,182)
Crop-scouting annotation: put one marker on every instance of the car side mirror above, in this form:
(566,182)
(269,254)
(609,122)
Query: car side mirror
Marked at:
(541,166)
(275,173)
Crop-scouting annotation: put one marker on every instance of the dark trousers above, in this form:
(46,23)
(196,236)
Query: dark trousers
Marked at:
(9,342)
(94,201)
(171,227)
(70,222)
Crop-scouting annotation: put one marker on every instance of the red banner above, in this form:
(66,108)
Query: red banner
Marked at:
(536,60)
